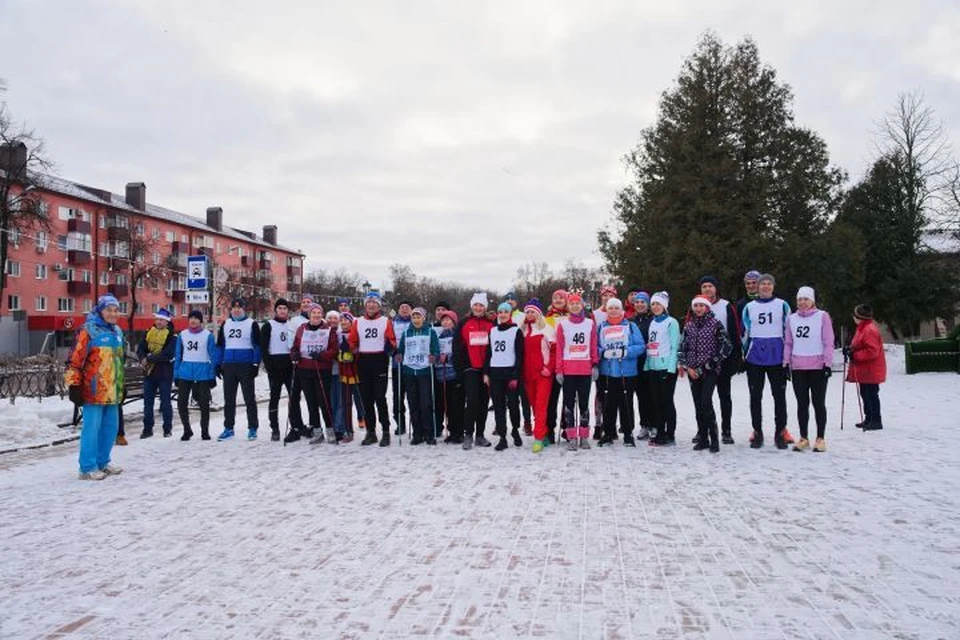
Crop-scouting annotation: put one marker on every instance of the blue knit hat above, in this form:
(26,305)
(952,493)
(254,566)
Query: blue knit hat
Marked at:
(643,295)
(373,296)
(163,314)
(533,302)
(104,301)
(504,306)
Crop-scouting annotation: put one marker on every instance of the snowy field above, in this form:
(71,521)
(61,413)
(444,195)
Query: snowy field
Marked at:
(240,539)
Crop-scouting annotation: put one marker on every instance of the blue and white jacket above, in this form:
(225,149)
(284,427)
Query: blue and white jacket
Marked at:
(609,338)
(764,325)
(195,371)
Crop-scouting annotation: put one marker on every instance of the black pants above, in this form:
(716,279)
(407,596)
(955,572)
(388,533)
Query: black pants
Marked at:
(399,408)
(418,392)
(663,384)
(756,377)
(870,393)
(618,399)
(552,407)
(644,399)
(811,386)
(576,391)
(702,391)
(280,376)
(726,402)
(503,399)
(478,400)
(239,374)
(524,402)
(372,370)
(316,389)
(598,401)
(451,395)
(201,394)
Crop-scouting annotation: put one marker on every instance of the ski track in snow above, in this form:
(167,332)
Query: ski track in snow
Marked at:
(246,540)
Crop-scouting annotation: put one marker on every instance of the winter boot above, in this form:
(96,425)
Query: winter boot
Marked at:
(204,433)
(275,434)
(714,438)
(361,423)
(859,425)
(820,446)
(727,438)
(347,437)
(467,443)
(480,441)
(597,432)
(121,440)
(585,437)
(702,441)
(873,425)
(756,440)
(371,437)
(96,474)
(551,436)
(293,435)
(572,436)
(112,469)
(502,444)
(148,433)
(779,440)
(331,435)
(517,440)
(187,434)
(319,438)
(385,439)
(802,445)
(628,440)
(605,440)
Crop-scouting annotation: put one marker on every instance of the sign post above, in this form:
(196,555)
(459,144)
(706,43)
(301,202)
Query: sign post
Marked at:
(198,268)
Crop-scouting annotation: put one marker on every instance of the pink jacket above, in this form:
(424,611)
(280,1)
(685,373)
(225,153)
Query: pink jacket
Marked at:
(577,367)
(806,363)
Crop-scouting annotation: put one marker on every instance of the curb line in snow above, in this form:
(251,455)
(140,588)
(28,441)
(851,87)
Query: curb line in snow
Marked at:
(43,445)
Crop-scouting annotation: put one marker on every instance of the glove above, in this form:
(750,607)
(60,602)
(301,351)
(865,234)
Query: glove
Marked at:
(742,367)
(316,355)
(559,378)
(512,385)
(76,394)
(786,372)
(295,358)
(827,372)
(256,370)
(219,371)
(613,354)
(595,373)
(398,358)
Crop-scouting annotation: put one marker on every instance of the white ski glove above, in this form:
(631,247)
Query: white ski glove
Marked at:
(613,354)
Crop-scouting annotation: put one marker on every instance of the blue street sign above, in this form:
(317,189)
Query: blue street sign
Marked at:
(196,272)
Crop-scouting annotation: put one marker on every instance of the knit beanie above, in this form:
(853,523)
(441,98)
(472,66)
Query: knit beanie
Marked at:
(661,297)
(806,292)
(479,298)
(863,311)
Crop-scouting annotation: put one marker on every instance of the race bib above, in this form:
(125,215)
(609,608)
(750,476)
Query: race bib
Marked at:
(479,338)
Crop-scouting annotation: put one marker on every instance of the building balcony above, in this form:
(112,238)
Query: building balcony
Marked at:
(205,251)
(293,271)
(178,296)
(79,288)
(75,225)
(265,263)
(118,290)
(116,263)
(181,248)
(118,233)
(78,256)
(246,261)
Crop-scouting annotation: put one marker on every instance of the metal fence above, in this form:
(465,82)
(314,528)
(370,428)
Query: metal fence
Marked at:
(33,377)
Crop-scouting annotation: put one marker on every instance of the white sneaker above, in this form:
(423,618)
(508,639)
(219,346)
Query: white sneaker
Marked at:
(643,434)
(96,474)
(112,469)
(317,439)
(331,435)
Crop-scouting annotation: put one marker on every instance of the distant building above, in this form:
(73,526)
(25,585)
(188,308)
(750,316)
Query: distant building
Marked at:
(55,277)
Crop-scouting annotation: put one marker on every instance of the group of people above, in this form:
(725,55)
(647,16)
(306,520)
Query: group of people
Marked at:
(446,371)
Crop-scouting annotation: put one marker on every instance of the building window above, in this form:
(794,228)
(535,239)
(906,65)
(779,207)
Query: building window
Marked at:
(65,305)
(155,283)
(139,229)
(172,308)
(15,237)
(79,241)
(123,307)
(183,309)
(219,248)
(103,222)
(87,305)
(183,238)
(170,236)
(121,278)
(13,269)
(41,303)
(13,303)
(41,272)
(155,234)
(67,213)
(85,275)
(42,240)
(104,278)
(140,308)
(62,243)
(154,307)
(104,249)
(156,257)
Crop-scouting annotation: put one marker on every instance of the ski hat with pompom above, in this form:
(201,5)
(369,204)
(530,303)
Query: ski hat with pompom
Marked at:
(662,298)
(479,298)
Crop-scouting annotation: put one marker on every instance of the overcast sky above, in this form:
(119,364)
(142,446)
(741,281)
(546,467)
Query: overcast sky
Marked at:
(461,138)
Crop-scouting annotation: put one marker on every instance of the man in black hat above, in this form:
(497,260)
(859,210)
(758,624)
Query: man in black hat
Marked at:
(276,338)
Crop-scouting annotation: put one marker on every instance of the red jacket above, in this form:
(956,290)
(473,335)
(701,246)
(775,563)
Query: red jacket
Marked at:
(537,350)
(868,364)
(325,358)
(471,356)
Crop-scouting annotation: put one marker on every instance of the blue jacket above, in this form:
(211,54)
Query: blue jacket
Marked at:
(764,352)
(625,367)
(410,332)
(240,356)
(196,371)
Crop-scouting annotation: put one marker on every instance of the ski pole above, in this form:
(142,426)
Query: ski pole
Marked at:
(328,418)
(433,403)
(843,391)
(401,416)
(293,372)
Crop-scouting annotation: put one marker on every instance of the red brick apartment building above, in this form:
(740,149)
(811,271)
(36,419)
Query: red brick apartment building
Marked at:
(55,276)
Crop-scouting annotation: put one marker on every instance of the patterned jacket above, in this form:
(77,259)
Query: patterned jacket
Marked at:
(96,363)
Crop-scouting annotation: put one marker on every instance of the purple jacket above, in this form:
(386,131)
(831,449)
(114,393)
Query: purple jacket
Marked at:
(705,344)
(808,362)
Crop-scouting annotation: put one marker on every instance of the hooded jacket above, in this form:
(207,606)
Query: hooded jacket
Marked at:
(196,371)
(611,336)
(868,363)
(96,362)
(422,368)
(705,344)
(538,350)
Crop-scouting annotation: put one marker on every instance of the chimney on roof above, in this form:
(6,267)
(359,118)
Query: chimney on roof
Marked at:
(13,159)
(137,195)
(270,234)
(215,218)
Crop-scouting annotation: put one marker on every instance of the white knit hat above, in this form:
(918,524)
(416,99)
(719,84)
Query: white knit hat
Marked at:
(806,292)
(479,298)
(700,300)
(661,297)
(614,303)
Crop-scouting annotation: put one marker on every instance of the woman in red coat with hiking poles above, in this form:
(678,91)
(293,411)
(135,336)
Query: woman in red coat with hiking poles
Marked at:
(868,366)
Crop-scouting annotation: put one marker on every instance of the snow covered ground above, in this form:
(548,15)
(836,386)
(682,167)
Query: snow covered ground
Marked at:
(240,539)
